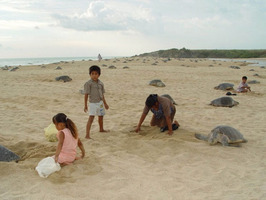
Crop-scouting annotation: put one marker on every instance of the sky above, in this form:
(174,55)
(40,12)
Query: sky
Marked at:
(76,28)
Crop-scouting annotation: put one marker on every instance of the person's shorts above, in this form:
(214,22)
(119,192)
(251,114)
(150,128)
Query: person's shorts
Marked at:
(97,109)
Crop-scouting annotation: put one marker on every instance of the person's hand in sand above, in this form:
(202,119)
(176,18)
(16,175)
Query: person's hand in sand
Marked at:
(137,129)
(163,113)
(82,153)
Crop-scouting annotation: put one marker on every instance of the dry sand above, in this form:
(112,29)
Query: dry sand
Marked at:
(122,164)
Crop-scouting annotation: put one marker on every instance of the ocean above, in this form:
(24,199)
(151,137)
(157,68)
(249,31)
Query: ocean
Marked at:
(48,60)
(260,62)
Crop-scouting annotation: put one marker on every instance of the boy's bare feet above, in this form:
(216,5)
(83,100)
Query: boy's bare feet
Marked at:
(88,137)
(170,132)
(104,131)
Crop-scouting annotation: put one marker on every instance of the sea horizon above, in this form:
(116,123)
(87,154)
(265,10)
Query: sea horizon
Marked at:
(46,60)
(9,62)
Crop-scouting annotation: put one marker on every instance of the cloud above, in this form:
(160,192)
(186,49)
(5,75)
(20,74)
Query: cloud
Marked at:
(20,24)
(97,17)
(101,16)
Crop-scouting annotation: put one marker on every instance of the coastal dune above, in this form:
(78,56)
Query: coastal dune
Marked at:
(122,164)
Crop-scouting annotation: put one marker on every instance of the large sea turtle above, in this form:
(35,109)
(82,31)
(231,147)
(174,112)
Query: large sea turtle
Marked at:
(157,83)
(225,86)
(253,82)
(169,97)
(112,67)
(226,135)
(63,78)
(6,155)
(224,102)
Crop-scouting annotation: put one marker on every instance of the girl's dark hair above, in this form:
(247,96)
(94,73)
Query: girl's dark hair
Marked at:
(95,68)
(151,100)
(62,118)
(244,77)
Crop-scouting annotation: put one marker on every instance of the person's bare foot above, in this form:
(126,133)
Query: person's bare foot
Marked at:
(88,137)
(170,133)
(104,131)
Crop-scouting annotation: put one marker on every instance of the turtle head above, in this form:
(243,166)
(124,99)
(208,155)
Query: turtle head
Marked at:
(213,138)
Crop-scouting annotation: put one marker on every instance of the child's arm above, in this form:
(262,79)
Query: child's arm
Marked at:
(81,148)
(105,104)
(86,102)
(61,139)
(142,118)
(245,86)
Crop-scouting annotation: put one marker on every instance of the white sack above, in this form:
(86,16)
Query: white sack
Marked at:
(47,166)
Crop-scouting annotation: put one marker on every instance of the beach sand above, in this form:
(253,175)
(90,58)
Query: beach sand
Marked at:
(122,164)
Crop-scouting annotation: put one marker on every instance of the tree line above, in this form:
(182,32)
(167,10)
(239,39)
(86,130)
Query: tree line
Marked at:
(203,53)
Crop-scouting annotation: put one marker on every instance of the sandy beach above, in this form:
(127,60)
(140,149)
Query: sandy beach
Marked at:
(122,164)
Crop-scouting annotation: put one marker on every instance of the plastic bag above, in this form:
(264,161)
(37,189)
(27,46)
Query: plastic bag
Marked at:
(50,133)
(47,166)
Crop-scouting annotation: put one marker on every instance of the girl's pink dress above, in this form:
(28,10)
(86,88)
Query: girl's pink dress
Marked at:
(68,151)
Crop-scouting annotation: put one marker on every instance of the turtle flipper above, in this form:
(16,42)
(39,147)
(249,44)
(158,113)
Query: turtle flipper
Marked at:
(201,137)
(224,140)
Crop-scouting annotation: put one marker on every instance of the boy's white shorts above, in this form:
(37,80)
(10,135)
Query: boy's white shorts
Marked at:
(97,109)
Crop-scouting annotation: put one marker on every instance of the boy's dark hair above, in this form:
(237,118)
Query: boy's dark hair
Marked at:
(96,69)
(244,77)
(151,100)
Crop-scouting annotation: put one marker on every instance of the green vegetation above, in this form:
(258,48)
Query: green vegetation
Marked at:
(215,53)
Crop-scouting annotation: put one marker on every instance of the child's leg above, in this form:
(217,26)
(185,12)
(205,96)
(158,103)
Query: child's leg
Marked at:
(175,126)
(100,121)
(90,120)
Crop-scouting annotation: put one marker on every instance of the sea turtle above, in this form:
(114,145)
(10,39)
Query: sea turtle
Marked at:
(6,155)
(63,78)
(157,83)
(225,86)
(226,135)
(58,68)
(169,97)
(253,82)
(224,102)
(234,67)
(112,67)
(13,69)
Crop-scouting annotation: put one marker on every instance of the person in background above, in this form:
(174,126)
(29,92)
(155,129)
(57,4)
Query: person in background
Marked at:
(99,57)
(243,86)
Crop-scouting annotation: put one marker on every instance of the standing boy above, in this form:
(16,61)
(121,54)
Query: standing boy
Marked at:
(94,89)
(243,86)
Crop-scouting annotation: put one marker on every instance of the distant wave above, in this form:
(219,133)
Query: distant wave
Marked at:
(40,61)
